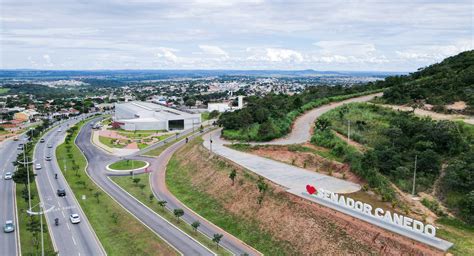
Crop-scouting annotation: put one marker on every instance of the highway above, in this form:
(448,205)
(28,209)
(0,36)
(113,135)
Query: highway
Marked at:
(8,153)
(98,160)
(68,239)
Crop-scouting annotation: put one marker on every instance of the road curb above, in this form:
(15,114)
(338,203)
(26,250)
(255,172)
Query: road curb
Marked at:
(127,171)
(193,136)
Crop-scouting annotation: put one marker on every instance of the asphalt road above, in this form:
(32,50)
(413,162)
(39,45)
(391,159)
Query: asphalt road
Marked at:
(8,154)
(98,160)
(68,239)
(158,184)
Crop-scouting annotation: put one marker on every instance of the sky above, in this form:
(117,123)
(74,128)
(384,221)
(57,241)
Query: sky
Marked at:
(363,35)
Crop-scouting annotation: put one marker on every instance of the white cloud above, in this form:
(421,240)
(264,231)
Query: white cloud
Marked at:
(213,50)
(47,59)
(167,54)
(434,52)
(283,55)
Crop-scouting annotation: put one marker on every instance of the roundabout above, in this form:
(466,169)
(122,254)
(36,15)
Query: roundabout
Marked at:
(127,165)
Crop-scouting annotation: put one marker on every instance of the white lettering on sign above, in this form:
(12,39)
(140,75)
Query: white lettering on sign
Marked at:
(377,213)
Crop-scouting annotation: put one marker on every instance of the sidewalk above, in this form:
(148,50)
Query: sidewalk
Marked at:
(291,177)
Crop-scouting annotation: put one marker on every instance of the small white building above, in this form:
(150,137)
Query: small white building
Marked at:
(138,115)
(220,107)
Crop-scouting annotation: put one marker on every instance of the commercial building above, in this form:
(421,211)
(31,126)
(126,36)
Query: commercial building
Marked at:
(138,115)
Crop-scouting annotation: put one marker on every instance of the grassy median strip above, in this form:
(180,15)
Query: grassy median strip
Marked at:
(139,187)
(30,236)
(119,232)
(127,164)
(29,225)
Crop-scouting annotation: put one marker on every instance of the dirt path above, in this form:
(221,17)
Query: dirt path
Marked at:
(434,115)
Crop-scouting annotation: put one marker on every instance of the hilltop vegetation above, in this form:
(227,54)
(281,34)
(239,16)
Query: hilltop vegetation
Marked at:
(271,116)
(393,140)
(440,84)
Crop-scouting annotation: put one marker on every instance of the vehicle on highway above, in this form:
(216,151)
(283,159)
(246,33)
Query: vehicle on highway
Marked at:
(60,130)
(38,167)
(9,226)
(15,138)
(8,176)
(48,158)
(50,145)
(42,140)
(74,218)
(20,146)
(61,192)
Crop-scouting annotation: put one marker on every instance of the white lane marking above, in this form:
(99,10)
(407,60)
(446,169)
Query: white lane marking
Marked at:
(74,240)
(63,214)
(67,224)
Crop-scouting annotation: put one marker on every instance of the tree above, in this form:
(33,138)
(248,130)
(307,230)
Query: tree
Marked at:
(322,123)
(97,194)
(195,225)
(136,181)
(232,175)
(162,203)
(151,196)
(190,102)
(213,114)
(178,213)
(217,239)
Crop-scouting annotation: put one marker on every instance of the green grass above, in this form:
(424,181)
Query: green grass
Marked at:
(119,232)
(205,116)
(180,185)
(458,233)
(4,90)
(110,142)
(127,164)
(126,182)
(138,134)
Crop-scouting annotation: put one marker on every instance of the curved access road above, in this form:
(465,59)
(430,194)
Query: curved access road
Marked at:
(291,177)
(301,131)
(158,184)
(98,160)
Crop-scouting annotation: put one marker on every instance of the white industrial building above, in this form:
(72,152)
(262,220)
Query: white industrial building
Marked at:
(138,115)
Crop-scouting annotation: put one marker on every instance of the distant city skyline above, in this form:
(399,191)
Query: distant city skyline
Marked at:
(242,35)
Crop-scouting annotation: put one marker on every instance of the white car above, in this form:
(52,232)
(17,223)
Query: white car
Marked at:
(8,176)
(74,218)
(38,167)
(50,145)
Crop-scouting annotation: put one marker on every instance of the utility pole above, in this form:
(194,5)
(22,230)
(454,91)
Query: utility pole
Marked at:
(414,177)
(348,131)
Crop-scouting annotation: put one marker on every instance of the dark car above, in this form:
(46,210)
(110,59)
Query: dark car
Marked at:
(42,140)
(61,192)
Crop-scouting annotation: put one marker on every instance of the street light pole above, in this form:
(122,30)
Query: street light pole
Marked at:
(41,221)
(25,165)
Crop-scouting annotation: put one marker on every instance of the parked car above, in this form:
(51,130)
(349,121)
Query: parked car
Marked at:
(38,167)
(61,192)
(9,226)
(48,158)
(74,218)
(8,176)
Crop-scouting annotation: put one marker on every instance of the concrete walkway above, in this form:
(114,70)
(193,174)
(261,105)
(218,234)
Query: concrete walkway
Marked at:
(289,176)
(302,128)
